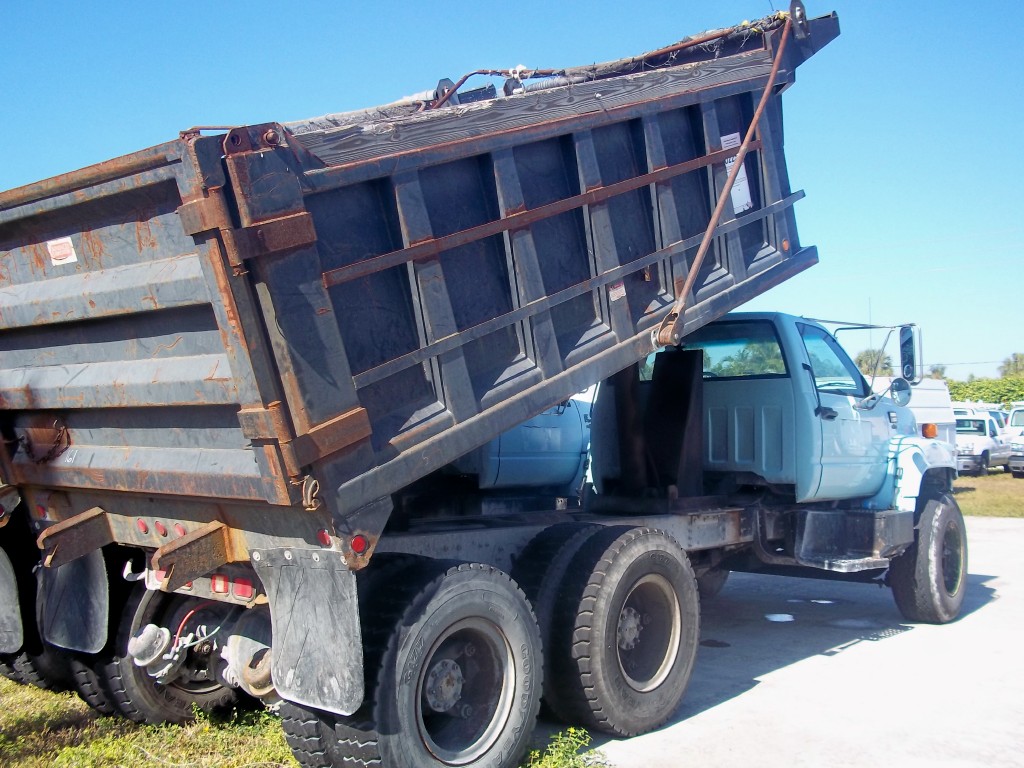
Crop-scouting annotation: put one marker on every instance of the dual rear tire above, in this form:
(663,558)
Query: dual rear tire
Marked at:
(453,664)
(622,649)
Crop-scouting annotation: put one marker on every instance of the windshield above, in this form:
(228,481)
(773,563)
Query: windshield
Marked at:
(970,426)
(1017,419)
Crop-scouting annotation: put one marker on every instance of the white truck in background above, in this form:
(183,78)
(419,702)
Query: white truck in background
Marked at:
(931,404)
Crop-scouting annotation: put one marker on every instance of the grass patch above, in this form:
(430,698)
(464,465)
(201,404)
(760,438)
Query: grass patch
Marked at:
(999,494)
(39,729)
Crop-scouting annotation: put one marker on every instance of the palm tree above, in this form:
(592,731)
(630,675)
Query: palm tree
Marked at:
(874,362)
(1012,366)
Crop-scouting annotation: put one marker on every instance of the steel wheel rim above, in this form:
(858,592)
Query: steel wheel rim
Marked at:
(487,679)
(647,652)
(952,559)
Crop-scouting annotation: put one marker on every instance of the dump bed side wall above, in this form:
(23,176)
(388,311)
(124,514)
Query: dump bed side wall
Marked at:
(366,304)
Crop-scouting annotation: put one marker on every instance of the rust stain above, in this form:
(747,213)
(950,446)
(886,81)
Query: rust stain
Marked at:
(94,245)
(144,237)
(38,257)
(166,347)
(212,376)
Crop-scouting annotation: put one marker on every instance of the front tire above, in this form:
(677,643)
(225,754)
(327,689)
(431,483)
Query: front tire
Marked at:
(929,580)
(630,623)
(982,466)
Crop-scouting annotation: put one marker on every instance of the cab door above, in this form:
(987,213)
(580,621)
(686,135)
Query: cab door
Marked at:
(854,443)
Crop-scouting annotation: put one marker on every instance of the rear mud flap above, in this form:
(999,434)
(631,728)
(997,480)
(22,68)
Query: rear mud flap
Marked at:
(74,603)
(12,633)
(317,648)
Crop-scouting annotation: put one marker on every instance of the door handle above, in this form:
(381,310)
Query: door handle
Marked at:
(828,414)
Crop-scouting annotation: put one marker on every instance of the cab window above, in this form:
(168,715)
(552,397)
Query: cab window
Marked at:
(740,349)
(833,370)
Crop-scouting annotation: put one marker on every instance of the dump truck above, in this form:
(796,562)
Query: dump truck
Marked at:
(288,409)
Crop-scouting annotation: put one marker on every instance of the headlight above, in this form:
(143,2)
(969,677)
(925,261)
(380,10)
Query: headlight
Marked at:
(965,451)
(1017,447)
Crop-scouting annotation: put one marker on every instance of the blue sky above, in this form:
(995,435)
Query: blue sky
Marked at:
(904,132)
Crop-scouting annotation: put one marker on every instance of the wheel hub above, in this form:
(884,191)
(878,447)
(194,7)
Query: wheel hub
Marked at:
(443,687)
(630,626)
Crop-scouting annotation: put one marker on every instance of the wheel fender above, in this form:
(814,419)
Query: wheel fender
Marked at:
(12,633)
(73,603)
(910,459)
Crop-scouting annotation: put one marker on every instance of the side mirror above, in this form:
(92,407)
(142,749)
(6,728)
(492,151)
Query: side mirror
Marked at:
(900,392)
(911,363)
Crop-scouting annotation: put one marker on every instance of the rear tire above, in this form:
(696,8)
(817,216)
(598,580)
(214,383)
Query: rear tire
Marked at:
(929,580)
(457,683)
(48,669)
(92,687)
(712,582)
(982,466)
(630,622)
(137,695)
(1019,474)
(540,572)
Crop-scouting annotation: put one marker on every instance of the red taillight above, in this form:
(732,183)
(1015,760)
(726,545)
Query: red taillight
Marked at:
(324,537)
(359,544)
(243,589)
(219,584)
(142,526)
(160,528)
(179,529)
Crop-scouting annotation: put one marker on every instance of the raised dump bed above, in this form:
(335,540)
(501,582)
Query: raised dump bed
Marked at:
(362,298)
(223,358)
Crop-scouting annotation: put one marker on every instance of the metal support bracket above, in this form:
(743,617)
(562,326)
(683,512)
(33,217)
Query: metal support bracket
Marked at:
(318,443)
(195,554)
(77,536)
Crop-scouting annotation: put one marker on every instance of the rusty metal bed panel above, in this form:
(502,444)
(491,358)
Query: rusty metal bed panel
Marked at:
(363,299)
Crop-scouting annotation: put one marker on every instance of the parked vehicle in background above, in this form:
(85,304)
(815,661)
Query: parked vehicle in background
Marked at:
(1017,456)
(931,404)
(1015,421)
(995,410)
(1015,428)
(980,443)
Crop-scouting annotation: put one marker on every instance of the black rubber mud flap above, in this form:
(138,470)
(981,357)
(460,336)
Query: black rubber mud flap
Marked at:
(317,647)
(73,604)
(12,634)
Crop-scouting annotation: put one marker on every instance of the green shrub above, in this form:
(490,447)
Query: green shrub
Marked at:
(563,751)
